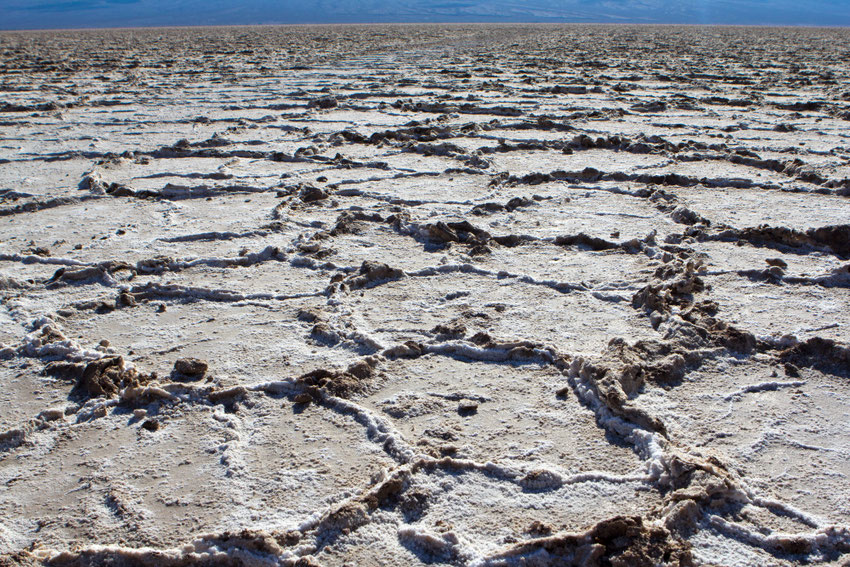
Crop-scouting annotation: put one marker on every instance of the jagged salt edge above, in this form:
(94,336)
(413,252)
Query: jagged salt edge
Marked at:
(213,235)
(650,446)
(251,259)
(825,540)
(33,259)
(355,336)
(218,295)
(196,551)
(646,443)
(380,431)
(559,286)
(67,349)
(483,353)
(762,386)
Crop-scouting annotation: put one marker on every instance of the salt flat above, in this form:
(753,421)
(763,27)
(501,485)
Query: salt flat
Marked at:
(401,295)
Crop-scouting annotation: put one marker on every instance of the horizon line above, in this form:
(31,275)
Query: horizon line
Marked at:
(425,23)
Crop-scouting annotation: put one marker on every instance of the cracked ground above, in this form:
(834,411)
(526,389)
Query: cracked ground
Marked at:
(402,295)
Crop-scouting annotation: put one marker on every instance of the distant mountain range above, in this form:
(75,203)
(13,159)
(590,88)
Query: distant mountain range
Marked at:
(34,14)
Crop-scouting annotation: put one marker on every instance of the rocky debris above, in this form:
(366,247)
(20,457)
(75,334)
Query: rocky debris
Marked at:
(40,107)
(311,194)
(193,368)
(108,376)
(125,299)
(834,238)
(678,282)
(695,326)
(227,396)
(649,107)
(371,274)
(93,183)
(409,349)
(612,381)
(65,370)
(103,271)
(684,215)
(325,102)
(309,315)
(42,251)
(38,204)
(581,239)
(461,232)
(351,222)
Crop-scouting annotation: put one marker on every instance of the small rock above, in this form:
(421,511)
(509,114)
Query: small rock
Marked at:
(323,102)
(150,425)
(140,413)
(194,367)
(311,194)
(52,414)
(684,215)
(125,300)
(361,369)
(303,398)
(467,408)
(655,319)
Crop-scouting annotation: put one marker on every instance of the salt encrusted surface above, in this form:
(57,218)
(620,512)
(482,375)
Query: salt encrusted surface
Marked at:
(476,295)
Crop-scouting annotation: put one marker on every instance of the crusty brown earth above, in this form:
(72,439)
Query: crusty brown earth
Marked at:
(399,295)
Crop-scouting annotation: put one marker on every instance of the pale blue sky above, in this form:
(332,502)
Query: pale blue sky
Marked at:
(30,14)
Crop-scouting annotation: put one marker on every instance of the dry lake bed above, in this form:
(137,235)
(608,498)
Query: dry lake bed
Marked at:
(404,295)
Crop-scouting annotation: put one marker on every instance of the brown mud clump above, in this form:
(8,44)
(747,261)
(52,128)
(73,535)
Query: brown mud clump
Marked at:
(371,274)
(341,383)
(108,376)
(623,541)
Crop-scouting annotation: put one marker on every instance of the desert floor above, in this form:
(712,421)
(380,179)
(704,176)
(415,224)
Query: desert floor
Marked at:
(401,295)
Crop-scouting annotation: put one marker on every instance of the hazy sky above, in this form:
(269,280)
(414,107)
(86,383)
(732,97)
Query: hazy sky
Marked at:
(33,14)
